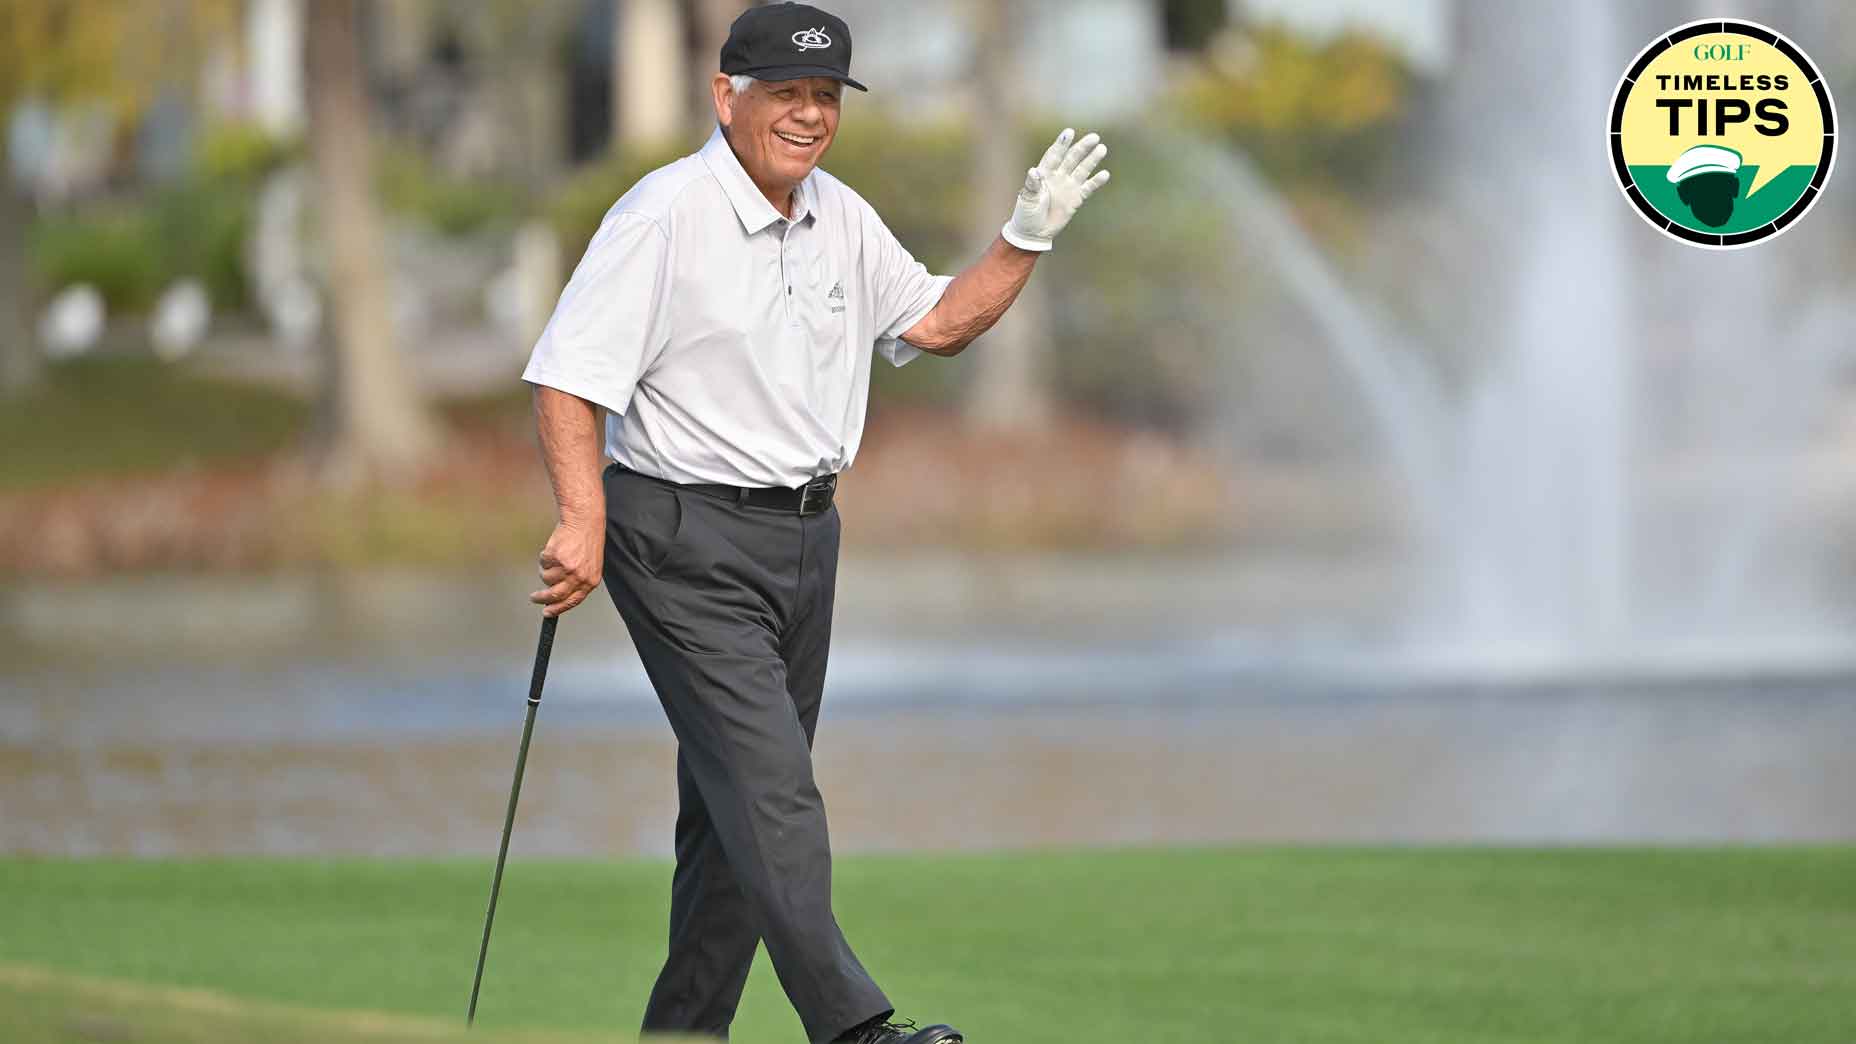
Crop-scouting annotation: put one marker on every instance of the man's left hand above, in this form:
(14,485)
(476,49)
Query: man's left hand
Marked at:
(1054,190)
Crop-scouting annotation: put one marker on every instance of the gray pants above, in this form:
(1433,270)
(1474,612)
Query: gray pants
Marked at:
(730,608)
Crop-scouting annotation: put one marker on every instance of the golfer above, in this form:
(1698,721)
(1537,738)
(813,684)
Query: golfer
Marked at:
(725,316)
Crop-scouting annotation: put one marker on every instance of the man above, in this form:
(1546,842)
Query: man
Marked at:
(724,316)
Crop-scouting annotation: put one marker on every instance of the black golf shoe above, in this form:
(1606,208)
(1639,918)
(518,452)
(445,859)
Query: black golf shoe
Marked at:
(883,1032)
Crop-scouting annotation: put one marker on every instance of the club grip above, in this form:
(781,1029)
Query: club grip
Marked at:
(543,649)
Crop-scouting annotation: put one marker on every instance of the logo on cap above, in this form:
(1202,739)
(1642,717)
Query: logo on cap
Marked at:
(806,39)
(1722,133)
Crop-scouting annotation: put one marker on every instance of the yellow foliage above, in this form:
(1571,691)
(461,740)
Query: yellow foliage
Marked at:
(1271,80)
(116,52)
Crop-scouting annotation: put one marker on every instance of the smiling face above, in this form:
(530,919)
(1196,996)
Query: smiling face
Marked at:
(779,130)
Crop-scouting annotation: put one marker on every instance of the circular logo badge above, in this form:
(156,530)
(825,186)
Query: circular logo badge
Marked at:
(1722,133)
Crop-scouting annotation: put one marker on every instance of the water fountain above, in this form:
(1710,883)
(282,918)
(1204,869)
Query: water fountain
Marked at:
(1616,482)
(1538,532)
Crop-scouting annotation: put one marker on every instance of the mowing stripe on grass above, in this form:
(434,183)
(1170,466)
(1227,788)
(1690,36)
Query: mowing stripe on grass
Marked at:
(85,1007)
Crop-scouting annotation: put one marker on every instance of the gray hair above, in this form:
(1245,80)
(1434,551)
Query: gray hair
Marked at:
(740,82)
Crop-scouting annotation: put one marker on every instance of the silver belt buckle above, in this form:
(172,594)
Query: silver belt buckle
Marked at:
(815,496)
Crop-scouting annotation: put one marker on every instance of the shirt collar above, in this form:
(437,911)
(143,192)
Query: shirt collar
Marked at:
(750,205)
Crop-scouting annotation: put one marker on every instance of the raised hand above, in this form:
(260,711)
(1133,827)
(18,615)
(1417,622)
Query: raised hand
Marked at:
(1055,189)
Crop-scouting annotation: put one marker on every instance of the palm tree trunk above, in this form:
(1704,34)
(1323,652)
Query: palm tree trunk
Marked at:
(709,22)
(649,67)
(1010,383)
(379,426)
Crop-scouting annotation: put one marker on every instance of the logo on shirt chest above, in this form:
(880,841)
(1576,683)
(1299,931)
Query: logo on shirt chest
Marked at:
(834,299)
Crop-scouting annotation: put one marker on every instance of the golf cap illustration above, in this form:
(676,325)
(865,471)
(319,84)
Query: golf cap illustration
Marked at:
(1704,159)
(1707,178)
(789,42)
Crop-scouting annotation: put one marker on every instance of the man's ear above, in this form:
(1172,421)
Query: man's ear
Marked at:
(724,94)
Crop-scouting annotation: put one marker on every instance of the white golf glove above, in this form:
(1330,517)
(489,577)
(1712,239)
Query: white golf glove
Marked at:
(1054,189)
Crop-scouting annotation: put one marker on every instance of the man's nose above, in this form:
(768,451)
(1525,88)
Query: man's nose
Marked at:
(809,111)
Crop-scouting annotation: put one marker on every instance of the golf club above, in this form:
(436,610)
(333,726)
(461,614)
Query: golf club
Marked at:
(542,649)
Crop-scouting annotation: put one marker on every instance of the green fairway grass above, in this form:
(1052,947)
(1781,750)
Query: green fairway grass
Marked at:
(1244,945)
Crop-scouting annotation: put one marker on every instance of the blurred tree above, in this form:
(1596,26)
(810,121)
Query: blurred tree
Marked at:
(708,30)
(1189,25)
(18,360)
(57,51)
(1010,373)
(1307,110)
(528,52)
(649,73)
(374,423)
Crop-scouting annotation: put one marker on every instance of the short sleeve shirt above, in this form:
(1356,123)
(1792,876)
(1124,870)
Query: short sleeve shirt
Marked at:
(728,343)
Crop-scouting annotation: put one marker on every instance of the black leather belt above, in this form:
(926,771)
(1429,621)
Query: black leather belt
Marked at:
(810,499)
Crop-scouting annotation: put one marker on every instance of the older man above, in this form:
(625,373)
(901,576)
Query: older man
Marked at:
(725,316)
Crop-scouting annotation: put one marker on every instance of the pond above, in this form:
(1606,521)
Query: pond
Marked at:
(380,716)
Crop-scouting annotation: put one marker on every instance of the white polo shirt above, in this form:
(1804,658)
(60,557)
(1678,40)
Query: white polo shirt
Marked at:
(728,343)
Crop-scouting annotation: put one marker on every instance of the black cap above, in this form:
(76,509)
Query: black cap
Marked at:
(789,42)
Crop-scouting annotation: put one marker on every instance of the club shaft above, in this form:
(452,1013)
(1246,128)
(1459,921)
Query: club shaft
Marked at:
(540,676)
